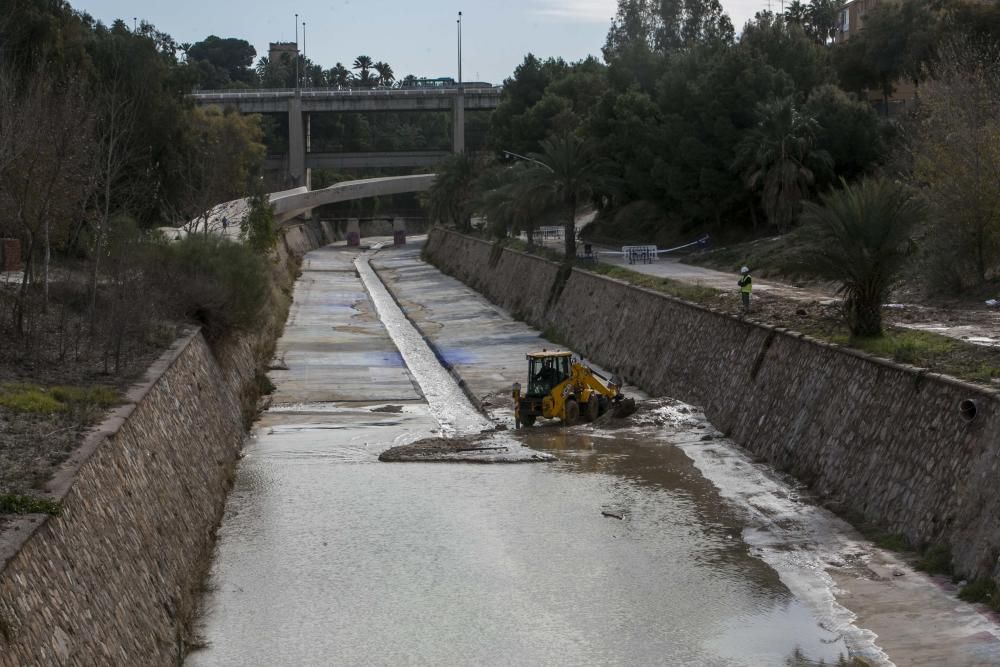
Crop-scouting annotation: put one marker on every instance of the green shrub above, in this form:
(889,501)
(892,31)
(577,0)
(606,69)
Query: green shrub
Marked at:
(936,560)
(34,399)
(891,541)
(258,231)
(219,284)
(15,504)
(981,590)
(264,385)
(29,399)
(99,396)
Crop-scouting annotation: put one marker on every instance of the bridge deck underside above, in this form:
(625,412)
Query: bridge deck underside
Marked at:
(363,160)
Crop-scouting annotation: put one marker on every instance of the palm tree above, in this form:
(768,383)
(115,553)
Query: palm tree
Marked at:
(509,202)
(565,174)
(778,159)
(860,237)
(339,76)
(385,74)
(450,198)
(796,12)
(364,77)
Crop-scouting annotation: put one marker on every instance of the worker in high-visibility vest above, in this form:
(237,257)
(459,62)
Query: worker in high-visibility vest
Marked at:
(746,286)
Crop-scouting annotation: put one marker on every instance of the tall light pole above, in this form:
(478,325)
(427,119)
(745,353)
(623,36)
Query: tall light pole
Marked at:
(528,159)
(306,73)
(460,48)
(296,52)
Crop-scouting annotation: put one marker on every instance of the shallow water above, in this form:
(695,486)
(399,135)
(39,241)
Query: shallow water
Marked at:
(329,557)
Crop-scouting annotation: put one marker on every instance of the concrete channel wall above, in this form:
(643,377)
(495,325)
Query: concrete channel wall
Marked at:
(113,580)
(878,440)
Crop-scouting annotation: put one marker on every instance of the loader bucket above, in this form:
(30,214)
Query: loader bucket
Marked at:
(623,408)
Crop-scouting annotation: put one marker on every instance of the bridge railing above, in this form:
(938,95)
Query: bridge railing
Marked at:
(272,93)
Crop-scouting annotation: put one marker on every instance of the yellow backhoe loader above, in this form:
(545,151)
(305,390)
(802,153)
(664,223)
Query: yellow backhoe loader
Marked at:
(561,387)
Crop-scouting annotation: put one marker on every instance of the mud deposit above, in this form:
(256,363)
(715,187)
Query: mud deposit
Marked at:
(492,447)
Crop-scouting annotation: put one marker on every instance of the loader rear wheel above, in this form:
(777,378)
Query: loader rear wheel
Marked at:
(604,405)
(528,421)
(572,413)
(593,408)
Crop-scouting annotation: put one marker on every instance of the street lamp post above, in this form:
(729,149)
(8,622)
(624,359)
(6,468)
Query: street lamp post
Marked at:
(460,48)
(528,159)
(296,52)
(305,73)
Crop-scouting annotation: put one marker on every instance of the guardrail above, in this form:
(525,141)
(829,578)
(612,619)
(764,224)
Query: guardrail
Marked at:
(277,93)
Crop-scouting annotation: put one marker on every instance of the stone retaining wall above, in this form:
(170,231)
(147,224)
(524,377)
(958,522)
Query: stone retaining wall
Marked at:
(883,441)
(114,579)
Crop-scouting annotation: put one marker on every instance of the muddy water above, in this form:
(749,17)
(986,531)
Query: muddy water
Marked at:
(327,556)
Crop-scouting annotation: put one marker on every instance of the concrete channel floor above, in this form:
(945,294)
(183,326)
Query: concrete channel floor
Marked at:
(327,556)
(918,619)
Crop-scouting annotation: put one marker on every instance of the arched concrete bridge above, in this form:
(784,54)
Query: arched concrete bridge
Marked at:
(299,104)
(292,203)
(289,204)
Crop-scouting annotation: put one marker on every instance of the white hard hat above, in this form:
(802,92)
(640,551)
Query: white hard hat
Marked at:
(745,269)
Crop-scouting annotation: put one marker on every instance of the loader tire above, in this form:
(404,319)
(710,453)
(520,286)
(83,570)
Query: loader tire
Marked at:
(593,408)
(605,404)
(572,413)
(527,421)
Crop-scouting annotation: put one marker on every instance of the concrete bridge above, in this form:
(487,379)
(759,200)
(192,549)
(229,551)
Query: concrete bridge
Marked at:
(292,203)
(370,159)
(299,104)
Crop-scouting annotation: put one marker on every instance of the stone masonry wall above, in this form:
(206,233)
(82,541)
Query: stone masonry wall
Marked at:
(113,580)
(883,441)
(104,582)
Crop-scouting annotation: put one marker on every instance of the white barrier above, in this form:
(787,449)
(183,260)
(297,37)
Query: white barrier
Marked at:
(548,233)
(639,254)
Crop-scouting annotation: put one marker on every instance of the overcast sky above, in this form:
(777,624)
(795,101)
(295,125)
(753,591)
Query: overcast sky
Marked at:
(414,36)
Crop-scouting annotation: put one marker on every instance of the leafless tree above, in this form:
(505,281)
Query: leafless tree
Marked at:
(956,159)
(115,155)
(43,184)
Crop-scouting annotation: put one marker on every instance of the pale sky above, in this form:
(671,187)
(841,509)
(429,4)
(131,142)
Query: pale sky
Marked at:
(414,36)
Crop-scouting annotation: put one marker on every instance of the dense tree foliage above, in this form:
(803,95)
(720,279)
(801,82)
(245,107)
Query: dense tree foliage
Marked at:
(98,145)
(719,132)
(222,62)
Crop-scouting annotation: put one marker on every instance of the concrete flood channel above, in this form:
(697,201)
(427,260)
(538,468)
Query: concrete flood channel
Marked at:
(327,556)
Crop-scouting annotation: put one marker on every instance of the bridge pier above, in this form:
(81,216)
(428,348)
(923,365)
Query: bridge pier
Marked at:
(296,142)
(458,124)
(308,149)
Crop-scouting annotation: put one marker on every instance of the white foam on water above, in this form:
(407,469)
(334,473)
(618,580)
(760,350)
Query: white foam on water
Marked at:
(795,538)
(448,404)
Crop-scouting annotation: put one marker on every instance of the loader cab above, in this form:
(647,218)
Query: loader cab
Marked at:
(546,370)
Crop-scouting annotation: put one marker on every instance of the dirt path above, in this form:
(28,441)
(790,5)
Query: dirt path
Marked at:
(979,326)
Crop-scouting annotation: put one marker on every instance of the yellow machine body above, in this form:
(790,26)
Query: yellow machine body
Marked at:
(561,387)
